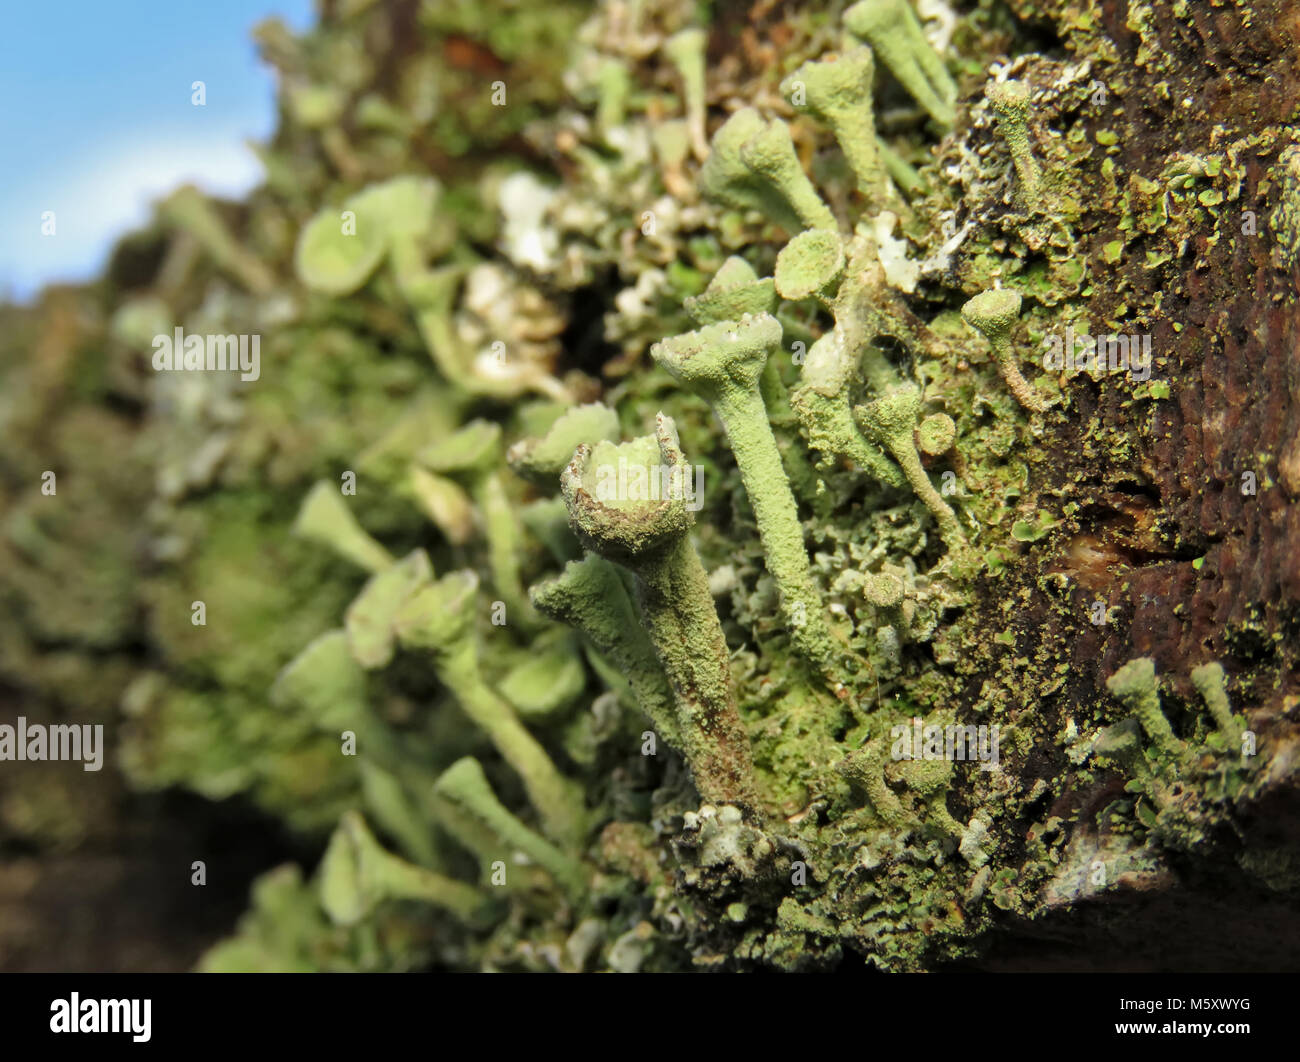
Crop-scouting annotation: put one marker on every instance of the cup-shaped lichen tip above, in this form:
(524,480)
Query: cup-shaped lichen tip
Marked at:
(718,359)
(832,89)
(324,681)
(324,518)
(474,449)
(334,259)
(892,416)
(1010,101)
(811,264)
(883,590)
(993,313)
(770,154)
(734,291)
(439,616)
(724,175)
(936,434)
(838,92)
(369,619)
(733,272)
(629,499)
(541,460)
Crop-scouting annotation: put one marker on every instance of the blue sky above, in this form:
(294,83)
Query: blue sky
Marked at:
(96,119)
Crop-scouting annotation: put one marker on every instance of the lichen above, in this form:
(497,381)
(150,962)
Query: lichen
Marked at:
(619,697)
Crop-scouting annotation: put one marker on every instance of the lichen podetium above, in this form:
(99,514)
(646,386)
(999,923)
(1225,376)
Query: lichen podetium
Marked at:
(658,538)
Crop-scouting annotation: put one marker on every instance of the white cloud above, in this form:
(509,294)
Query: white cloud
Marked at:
(105,196)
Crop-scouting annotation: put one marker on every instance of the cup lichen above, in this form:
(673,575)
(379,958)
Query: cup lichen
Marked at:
(441,619)
(993,314)
(894,33)
(651,538)
(722,363)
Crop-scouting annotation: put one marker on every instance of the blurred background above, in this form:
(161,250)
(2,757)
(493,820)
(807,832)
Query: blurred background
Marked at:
(129,209)
(98,121)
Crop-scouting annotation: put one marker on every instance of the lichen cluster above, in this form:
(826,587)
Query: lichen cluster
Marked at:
(611,501)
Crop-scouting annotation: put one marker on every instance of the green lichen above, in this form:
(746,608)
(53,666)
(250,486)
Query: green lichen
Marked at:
(894,33)
(649,536)
(875,500)
(440,620)
(722,364)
